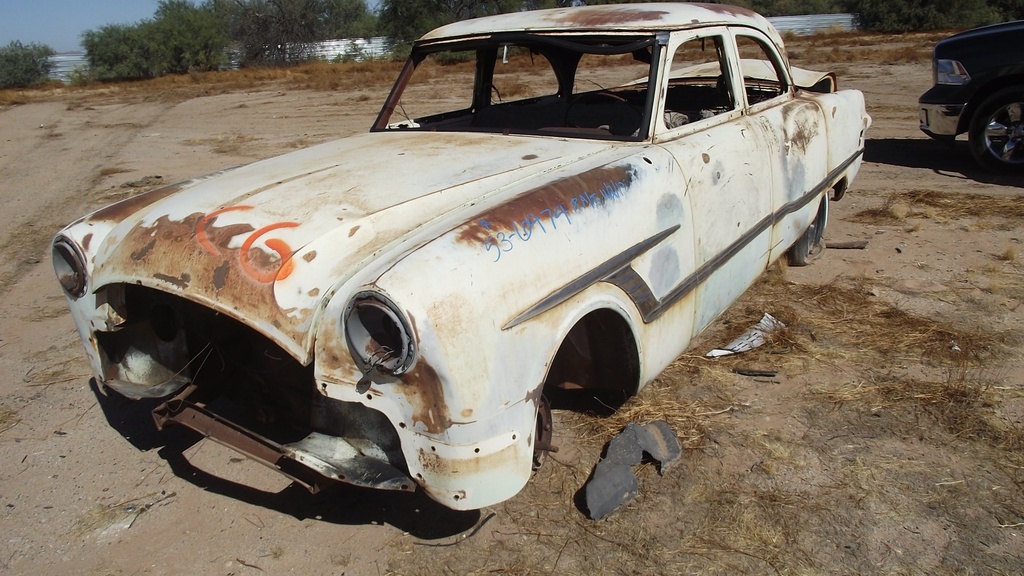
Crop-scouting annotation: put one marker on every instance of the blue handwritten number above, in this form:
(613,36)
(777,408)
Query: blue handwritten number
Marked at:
(491,243)
(528,225)
(524,229)
(560,211)
(504,241)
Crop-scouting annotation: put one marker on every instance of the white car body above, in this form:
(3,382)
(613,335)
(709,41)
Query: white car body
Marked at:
(409,292)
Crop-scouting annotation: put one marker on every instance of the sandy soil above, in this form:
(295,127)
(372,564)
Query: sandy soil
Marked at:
(801,473)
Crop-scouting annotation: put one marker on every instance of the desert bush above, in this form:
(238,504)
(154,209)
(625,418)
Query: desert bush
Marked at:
(22,65)
(282,32)
(916,15)
(120,52)
(182,38)
(191,39)
(80,76)
(406,20)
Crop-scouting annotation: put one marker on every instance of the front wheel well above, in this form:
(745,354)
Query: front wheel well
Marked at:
(996,135)
(983,94)
(598,359)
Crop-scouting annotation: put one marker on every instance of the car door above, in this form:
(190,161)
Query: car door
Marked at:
(795,139)
(725,173)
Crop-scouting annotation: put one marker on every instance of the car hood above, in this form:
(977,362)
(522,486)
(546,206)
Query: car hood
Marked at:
(267,242)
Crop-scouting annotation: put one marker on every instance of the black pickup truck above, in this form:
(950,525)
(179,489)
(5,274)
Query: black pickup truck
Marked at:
(979,90)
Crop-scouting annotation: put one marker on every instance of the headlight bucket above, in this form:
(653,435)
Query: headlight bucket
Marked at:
(378,334)
(69,265)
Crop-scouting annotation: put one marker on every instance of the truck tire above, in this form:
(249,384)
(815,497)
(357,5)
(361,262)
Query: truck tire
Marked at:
(996,136)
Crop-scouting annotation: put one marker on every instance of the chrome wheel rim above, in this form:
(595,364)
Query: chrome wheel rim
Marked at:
(1004,134)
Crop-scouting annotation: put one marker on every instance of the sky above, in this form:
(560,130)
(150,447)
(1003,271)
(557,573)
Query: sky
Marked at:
(60,23)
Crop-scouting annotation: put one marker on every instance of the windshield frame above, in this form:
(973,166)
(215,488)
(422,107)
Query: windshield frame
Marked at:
(563,51)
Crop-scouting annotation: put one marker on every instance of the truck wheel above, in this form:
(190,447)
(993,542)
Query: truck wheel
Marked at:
(996,137)
(810,244)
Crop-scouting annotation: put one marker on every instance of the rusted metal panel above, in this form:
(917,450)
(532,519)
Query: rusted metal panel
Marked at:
(311,462)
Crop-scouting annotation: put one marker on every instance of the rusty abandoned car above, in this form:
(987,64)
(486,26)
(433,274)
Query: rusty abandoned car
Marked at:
(554,198)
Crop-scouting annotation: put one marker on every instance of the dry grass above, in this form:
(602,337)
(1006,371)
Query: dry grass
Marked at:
(110,171)
(224,144)
(319,76)
(659,401)
(862,47)
(934,205)
(1010,254)
(8,419)
(962,402)
(749,531)
(15,97)
(515,89)
(118,516)
(842,321)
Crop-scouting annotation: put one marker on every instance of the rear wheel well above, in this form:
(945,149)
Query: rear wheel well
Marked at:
(598,360)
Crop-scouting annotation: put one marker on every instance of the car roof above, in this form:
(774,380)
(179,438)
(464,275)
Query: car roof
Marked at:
(606,18)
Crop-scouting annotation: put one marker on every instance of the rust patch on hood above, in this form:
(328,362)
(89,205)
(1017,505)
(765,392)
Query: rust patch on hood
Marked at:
(212,240)
(181,282)
(143,251)
(203,266)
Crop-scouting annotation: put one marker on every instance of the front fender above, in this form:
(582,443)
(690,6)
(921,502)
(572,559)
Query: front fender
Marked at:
(465,408)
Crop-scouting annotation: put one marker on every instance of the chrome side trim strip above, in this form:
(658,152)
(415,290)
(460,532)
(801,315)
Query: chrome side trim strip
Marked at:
(619,271)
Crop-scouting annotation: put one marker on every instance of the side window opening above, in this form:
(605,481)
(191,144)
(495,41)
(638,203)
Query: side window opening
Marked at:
(523,91)
(609,93)
(698,85)
(521,73)
(762,78)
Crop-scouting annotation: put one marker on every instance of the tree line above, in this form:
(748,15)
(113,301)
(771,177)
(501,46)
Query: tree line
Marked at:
(195,36)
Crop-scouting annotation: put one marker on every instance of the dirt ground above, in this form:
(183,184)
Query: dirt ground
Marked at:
(889,441)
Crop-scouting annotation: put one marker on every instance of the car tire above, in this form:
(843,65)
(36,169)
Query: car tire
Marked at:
(996,136)
(542,440)
(811,244)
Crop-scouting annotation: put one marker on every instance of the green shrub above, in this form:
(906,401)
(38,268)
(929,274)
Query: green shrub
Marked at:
(22,65)
(120,52)
(915,15)
(80,76)
(191,39)
(181,39)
